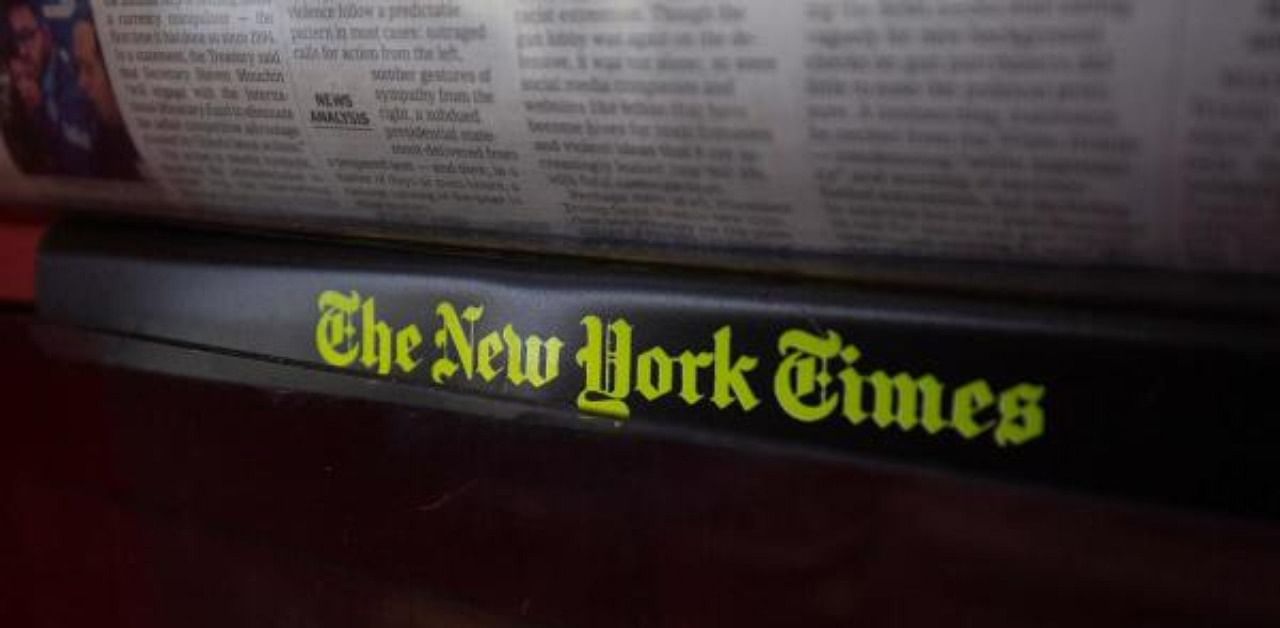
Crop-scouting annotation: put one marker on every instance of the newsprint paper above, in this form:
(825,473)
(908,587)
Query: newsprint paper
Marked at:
(1092,132)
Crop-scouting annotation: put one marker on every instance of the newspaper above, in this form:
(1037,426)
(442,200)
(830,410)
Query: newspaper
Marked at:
(1111,132)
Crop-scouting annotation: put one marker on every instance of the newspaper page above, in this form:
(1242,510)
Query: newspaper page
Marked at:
(1112,132)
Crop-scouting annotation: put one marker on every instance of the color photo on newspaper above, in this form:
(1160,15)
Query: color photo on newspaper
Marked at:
(59,113)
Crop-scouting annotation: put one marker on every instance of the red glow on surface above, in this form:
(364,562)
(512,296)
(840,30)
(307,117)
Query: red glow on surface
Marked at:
(18,245)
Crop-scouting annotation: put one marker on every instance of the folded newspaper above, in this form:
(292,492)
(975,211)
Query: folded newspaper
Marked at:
(1077,132)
